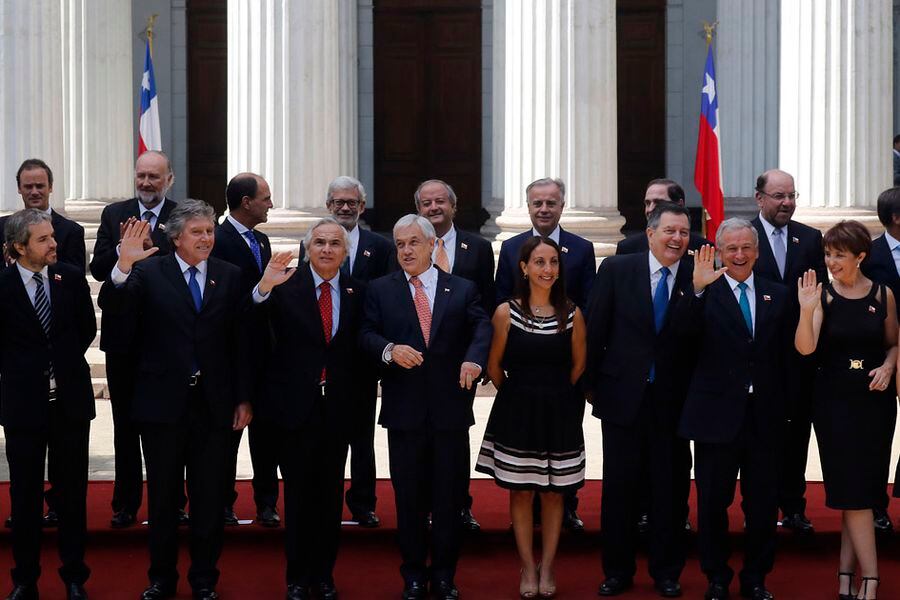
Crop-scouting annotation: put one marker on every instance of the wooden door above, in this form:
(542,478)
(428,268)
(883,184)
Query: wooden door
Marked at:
(427,61)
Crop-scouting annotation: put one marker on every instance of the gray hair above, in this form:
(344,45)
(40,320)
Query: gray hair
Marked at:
(559,183)
(451,195)
(18,228)
(735,224)
(188,209)
(345,182)
(307,239)
(421,222)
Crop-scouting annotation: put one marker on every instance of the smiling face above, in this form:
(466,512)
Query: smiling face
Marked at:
(195,241)
(843,264)
(327,250)
(776,201)
(413,249)
(738,252)
(669,241)
(435,205)
(542,268)
(346,207)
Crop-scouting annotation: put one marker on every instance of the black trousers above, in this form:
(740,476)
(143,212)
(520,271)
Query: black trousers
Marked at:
(684,461)
(168,448)
(312,464)
(794,442)
(649,440)
(361,494)
(67,440)
(263,443)
(754,454)
(128,488)
(428,472)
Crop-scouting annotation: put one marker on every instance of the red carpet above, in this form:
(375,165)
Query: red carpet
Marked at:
(252,563)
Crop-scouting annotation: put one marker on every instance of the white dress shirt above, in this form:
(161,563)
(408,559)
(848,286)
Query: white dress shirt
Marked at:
(333,283)
(429,284)
(656,275)
(354,244)
(31,289)
(770,234)
(554,235)
(751,295)
(119,278)
(241,229)
(449,239)
(155,210)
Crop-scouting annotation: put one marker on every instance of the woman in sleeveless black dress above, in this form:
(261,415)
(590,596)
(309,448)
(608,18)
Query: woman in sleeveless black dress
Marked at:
(851,324)
(534,442)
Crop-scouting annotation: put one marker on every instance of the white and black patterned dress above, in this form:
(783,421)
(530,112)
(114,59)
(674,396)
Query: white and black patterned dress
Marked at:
(533,439)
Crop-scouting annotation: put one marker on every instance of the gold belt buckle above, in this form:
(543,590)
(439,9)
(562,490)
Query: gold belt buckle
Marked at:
(856,364)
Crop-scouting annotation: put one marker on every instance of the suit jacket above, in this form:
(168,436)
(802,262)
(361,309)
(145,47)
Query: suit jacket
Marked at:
(896,168)
(69,237)
(375,257)
(577,260)
(427,395)
(879,266)
(299,352)
(172,338)
(623,343)
(26,352)
(474,260)
(804,252)
(116,333)
(638,243)
(729,360)
(231,247)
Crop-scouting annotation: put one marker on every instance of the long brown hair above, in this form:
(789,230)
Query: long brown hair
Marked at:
(558,299)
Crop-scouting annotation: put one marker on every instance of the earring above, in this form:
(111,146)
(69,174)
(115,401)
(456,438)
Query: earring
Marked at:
(524,275)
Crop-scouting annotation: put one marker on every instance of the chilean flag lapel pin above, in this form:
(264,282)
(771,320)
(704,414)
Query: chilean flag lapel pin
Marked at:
(366,253)
(57,277)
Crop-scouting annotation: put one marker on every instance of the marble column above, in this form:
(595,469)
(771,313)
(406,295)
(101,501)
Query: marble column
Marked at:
(292,101)
(836,105)
(559,111)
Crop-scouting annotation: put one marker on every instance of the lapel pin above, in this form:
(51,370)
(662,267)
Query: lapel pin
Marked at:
(161,226)
(795,240)
(681,292)
(464,246)
(58,277)
(366,253)
(349,290)
(446,289)
(767,298)
(564,249)
(871,309)
(212,283)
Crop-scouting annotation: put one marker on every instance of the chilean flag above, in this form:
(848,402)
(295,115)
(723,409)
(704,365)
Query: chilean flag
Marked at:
(708,166)
(148,126)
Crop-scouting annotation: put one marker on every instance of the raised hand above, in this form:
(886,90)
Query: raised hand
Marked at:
(809,293)
(131,248)
(705,271)
(148,241)
(277,272)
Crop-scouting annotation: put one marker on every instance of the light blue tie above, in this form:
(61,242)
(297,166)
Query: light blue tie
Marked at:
(745,307)
(779,247)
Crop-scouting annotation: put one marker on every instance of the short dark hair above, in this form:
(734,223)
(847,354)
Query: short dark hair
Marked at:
(559,300)
(888,206)
(663,208)
(34,163)
(674,191)
(240,186)
(850,236)
(896,139)
(18,228)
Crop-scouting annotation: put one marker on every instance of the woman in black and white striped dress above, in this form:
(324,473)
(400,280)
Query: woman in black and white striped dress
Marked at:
(534,442)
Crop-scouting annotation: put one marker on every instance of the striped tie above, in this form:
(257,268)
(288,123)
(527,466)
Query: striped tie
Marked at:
(423,310)
(42,308)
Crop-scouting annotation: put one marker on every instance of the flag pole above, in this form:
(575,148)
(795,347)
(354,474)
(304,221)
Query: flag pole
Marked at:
(149,31)
(710,30)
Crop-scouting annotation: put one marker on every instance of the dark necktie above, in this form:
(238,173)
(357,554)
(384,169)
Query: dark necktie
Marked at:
(660,304)
(194,286)
(148,217)
(254,247)
(325,312)
(42,308)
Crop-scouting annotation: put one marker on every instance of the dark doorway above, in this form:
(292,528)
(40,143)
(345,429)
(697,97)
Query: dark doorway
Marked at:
(207,32)
(427,61)
(641,74)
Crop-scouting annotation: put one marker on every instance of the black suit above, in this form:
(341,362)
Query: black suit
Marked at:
(804,252)
(426,413)
(69,237)
(232,247)
(639,416)
(310,419)
(638,243)
(116,340)
(181,424)
(733,428)
(474,260)
(32,422)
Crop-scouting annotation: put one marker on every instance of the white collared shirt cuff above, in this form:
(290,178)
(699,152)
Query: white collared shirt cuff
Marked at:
(118,277)
(259,297)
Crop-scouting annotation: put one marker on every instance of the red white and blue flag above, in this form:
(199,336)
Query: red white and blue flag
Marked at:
(148,126)
(708,166)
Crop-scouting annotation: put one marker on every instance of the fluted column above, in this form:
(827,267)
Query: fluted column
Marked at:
(559,110)
(836,104)
(292,112)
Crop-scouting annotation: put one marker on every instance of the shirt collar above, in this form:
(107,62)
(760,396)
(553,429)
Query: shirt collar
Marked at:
(201,267)
(554,235)
(655,265)
(318,279)
(239,227)
(733,283)
(155,210)
(450,237)
(354,235)
(769,227)
(27,275)
(891,241)
(427,277)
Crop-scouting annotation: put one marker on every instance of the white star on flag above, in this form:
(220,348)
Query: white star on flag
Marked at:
(710,88)
(145,82)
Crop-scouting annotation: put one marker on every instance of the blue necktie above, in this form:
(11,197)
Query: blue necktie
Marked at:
(745,307)
(254,247)
(195,288)
(780,249)
(661,298)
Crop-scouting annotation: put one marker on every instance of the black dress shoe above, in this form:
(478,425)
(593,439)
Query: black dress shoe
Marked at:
(444,590)
(668,588)
(716,591)
(613,586)
(51,519)
(467,520)
(23,592)
(8,523)
(122,519)
(205,594)
(229,517)
(158,591)
(415,590)
(326,591)
(882,521)
(757,592)
(572,522)
(798,523)
(643,524)
(368,519)
(295,591)
(75,591)
(184,519)
(267,516)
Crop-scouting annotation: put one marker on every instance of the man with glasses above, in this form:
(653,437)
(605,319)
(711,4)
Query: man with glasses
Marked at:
(786,250)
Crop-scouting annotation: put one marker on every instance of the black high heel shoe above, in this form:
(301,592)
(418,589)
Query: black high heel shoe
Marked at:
(849,596)
(865,585)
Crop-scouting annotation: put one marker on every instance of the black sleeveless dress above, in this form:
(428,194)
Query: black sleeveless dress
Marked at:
(534,439)
(854,426)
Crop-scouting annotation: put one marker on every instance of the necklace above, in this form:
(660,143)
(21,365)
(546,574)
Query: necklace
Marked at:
(539,310)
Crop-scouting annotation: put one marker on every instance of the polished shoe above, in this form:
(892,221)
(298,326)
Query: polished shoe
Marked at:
(444,590)
(467,520)
(205,594)
(267,516)
(183,518)
(295,591)
(687,525)
(51,519)
(229,517)
(850,576)
(326,591)
(668,588)
(643,524)
(8,523)
(415,590)
(158,591)
(882,521)
(23,592)
(368,519)
(716,591)
(572,522)
(757,592)
(122,519)
(75,591)
(798,523)
(613,586)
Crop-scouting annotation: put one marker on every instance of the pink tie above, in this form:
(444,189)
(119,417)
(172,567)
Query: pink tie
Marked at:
(441,260)
(422,308)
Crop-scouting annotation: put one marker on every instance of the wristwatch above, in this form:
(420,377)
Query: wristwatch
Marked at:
(386,356)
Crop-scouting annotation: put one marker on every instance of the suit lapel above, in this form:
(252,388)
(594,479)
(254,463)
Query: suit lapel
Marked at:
(212,283)
(641,285)
(441,297)
(681,286)
(308,293)
(404,298)
(763,304)
(792,249)
(363,252)
(23,299)
(725,297)
(463,254)
(347,292)
(242,243)
(766,255)
(173,273)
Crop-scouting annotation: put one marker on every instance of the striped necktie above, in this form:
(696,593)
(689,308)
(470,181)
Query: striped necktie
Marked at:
(42,308)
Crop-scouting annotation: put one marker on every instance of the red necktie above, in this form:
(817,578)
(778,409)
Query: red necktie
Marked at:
(423,310)
(325,312)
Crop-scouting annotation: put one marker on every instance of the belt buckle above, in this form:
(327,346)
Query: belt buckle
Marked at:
(856,364)
(193,380)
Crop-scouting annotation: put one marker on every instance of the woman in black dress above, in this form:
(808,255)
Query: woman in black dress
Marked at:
(851,324)
(533,442)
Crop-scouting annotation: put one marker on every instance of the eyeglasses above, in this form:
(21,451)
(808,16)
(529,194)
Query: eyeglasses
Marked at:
(347,203)
(781,196)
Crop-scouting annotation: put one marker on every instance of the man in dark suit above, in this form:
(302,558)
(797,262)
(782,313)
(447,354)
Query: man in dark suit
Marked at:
(191,385)
(463,254)
(152,179)
(658,190)
(638,373)
(428,330)
(734,403)
(546,199)
(787,249)
(240,243)
(309,391)
(896,155)
(46,325)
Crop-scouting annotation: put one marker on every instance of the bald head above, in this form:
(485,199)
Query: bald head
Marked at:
(776,197)
(152,177)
